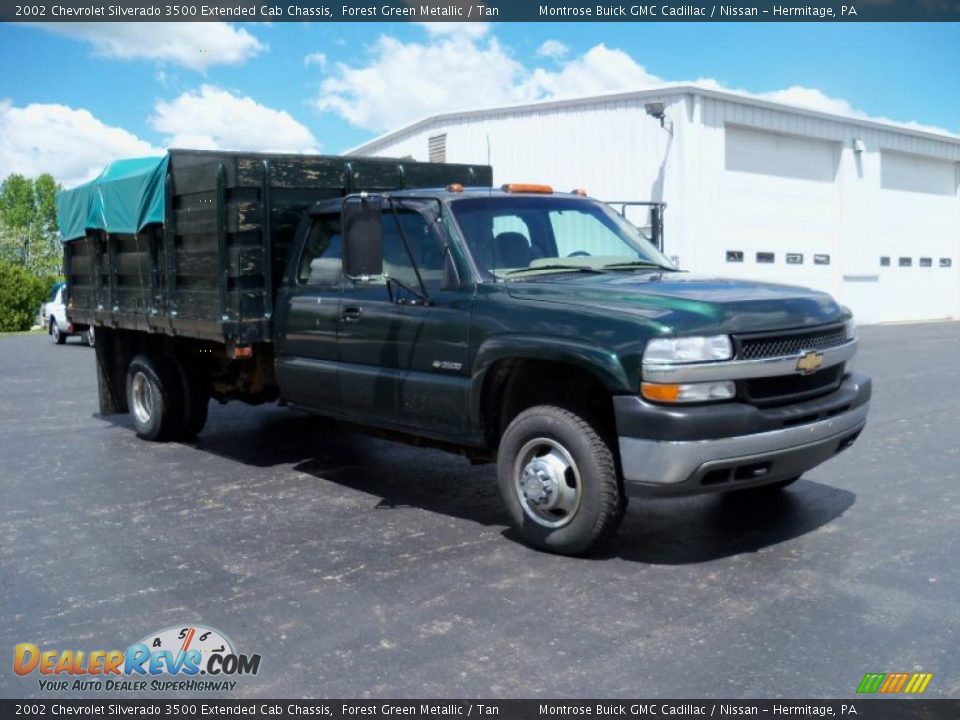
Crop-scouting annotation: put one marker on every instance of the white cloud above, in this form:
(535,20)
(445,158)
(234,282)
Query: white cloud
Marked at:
(553,49)
(315,58)
(393,89)
(813,99)
(460,29)
(462,66)
(194,45)
(211,118)
(404,81)
(599,70)
(70,144)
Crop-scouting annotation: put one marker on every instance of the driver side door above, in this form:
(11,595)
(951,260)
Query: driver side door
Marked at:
(403,360)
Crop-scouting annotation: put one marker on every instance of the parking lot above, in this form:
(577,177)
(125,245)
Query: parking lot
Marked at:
(362,568)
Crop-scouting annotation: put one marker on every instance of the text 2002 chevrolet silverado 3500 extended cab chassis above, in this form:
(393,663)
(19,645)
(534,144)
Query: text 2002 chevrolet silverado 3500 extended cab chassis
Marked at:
(535,329)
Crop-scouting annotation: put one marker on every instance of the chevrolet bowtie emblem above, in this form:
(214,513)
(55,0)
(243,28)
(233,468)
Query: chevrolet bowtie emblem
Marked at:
(810,362)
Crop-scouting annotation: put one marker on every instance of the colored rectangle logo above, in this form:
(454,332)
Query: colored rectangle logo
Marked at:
(894,683)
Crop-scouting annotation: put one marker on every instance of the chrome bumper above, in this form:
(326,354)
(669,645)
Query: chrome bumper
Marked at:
(699,466)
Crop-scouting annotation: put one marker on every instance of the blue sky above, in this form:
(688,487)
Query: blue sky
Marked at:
(76,96)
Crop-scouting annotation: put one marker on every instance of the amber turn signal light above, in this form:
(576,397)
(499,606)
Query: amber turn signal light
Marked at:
(527,188)
(659,392)
(689,392)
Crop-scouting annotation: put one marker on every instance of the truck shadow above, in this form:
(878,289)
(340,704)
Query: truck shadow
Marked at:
(655,531)
(700,529)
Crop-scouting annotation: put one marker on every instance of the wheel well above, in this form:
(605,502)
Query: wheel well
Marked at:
(513,385)
(250,380)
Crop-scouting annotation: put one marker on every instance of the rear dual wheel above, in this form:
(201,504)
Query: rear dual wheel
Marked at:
(167,400)
(155,397)
(196,398)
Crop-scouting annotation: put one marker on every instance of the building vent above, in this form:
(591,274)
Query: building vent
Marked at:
(437,148)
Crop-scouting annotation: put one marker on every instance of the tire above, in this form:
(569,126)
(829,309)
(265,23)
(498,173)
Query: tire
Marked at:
(551,445)
(89,338)
(771,488)
(58,337)
(196,399)
(155,397)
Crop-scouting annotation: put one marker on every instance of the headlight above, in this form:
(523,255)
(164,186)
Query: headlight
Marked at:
(850,329)
(688,349)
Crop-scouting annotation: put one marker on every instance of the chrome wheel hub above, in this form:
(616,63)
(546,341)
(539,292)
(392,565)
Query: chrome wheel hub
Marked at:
(547,483)
(141,397)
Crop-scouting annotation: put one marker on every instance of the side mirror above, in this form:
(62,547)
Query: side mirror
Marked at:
(656,227)
(362,227)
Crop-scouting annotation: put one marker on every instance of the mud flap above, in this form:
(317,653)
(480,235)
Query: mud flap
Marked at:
(111,373)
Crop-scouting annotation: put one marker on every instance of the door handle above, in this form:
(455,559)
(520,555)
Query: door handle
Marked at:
(351,315)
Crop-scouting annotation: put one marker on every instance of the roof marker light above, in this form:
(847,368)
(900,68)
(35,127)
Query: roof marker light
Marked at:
(527,188)
(579,192)
(455,188)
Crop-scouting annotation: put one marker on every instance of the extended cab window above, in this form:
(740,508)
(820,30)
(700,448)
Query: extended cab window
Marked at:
(320,260)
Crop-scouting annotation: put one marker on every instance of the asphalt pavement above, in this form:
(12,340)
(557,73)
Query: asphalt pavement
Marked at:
(358,568)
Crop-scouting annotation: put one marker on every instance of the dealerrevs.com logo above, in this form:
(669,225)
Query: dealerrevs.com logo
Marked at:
(173,659)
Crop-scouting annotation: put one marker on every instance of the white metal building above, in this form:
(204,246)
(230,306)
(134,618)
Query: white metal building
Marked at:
(866,210)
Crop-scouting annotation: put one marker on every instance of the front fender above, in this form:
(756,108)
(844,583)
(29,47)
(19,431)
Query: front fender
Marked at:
(602,363)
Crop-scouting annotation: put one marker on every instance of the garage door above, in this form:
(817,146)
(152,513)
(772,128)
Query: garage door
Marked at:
(917,243)
(779,211)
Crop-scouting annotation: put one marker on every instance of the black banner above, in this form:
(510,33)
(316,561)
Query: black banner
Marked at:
(873,709)
(479,11)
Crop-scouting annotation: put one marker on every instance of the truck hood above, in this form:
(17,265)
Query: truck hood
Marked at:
(687,304)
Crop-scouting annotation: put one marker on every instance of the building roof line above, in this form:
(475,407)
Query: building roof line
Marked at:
(664,90)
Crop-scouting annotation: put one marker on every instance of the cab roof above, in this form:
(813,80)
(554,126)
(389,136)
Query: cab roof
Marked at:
(445,194)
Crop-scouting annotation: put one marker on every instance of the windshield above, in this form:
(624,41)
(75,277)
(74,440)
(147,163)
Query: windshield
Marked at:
(515,236)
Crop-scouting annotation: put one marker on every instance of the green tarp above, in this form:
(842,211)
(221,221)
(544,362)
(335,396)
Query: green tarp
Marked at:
(127,196)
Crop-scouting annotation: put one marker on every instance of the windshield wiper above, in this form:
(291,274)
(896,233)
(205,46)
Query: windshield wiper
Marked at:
(640,264)
(576,268)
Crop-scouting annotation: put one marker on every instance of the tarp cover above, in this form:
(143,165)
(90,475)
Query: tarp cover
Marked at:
(127,196)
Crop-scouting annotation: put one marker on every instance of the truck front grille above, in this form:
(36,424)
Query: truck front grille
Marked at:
(757,347)
(784,389)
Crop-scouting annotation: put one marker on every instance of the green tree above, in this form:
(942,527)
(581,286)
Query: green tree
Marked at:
(28,223)
(46,189)
(21,293)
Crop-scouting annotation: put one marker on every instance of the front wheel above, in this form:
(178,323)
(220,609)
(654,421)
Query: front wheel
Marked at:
(58,337)
(558,479)
(89,337)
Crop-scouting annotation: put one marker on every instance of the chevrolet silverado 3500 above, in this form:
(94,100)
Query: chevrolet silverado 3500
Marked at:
(516,325)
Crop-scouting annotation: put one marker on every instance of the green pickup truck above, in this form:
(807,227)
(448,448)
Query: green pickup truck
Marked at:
(517,325)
